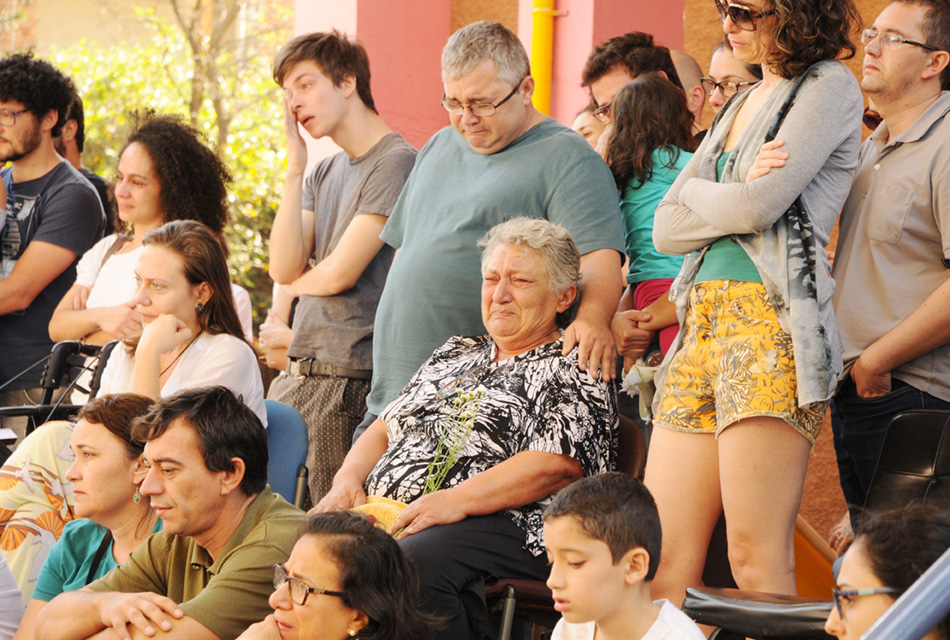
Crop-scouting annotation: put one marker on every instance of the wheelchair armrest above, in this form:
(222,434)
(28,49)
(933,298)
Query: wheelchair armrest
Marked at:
(760,615)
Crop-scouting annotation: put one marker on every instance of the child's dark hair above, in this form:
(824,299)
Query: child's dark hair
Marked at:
(648,113)
(617,510)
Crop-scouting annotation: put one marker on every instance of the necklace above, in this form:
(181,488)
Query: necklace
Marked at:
(180,353)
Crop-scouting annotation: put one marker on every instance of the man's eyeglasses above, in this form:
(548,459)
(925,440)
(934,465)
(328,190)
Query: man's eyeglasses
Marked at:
(727,88)
(850,594)
(8,118)
(742,16)
(298,588)
(890,40)
(602,114)
(485,110)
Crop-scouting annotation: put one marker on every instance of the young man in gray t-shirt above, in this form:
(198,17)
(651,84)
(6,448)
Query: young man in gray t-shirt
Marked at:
(325,242)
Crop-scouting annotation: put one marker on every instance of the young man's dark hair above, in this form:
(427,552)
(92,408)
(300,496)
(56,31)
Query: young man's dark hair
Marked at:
(224,426)
(634,51)
(38,85)
(335,54)
(616,509)
(75,112)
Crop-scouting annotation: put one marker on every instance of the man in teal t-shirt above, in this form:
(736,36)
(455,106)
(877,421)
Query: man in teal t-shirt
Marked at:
(499,159)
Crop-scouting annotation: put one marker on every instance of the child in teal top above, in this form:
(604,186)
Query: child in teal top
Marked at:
(650,141)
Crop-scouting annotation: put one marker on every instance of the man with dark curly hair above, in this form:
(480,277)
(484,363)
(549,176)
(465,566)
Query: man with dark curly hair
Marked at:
(52,216)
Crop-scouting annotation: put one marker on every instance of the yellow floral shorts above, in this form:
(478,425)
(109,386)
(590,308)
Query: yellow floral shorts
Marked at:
(736,362)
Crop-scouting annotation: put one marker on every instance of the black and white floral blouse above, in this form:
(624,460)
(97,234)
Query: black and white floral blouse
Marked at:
(535,401)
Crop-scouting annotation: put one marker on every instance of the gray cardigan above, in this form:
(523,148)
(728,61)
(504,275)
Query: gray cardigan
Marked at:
(822,135)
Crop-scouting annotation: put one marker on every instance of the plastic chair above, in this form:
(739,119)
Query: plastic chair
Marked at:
(531,600)
(913,467)
(288,443)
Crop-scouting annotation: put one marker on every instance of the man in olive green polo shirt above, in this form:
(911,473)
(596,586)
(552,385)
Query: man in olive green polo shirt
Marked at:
(208,573)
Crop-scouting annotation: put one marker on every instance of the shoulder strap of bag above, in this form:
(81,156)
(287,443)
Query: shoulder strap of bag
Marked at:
(120,242)
(100,554)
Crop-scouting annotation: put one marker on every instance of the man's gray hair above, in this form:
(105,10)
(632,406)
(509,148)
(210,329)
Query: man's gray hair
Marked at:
(470,46)
(559,255)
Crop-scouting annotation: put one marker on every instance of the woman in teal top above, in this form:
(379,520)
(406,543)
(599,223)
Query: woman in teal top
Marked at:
(651,140)
(114,519)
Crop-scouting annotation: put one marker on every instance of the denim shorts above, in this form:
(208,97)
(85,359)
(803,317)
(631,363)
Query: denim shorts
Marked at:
(736,362)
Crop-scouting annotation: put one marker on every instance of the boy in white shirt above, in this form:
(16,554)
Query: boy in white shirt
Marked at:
(603,541)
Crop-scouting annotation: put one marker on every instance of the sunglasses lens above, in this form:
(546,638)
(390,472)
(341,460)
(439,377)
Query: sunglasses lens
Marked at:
(741,16)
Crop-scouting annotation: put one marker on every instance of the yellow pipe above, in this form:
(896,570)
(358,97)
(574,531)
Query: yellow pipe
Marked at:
(542,53)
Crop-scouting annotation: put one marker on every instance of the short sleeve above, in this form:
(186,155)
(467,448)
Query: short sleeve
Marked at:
(54,573)
(585,201)
(385,182)
(88,268)
(72,218)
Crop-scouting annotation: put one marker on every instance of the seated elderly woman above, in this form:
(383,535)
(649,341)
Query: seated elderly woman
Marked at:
(489,428)
(890,551)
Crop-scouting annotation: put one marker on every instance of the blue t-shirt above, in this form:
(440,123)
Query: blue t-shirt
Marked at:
(638,205)
(67,566)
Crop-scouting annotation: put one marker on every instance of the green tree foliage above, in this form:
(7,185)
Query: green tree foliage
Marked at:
(216,75)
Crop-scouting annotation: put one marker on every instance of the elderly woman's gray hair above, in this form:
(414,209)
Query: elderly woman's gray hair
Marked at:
(559,255)
(484,40)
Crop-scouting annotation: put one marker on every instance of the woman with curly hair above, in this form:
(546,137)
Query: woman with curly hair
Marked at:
(166,172)
(650,142)
(742,393)
(345,578)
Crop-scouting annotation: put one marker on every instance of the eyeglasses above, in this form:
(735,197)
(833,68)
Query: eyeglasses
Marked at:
(850,594)
(890,40)
(485,110)
(727,88)
(741,15)
(298,588)
(602,114)
(8,118)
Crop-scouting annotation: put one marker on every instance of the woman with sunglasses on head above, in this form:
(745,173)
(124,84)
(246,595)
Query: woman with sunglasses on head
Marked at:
(891,550)
(742,393)
(345,578)
(728,76)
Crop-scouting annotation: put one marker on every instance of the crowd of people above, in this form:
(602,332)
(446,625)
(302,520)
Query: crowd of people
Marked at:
(453,323)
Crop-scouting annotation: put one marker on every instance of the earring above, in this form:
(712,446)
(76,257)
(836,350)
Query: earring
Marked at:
(200,307)
(136,497)
(352,633)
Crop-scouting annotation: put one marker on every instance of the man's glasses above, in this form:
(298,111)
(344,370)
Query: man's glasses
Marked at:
(727,88)
(298,588)
(602,114)
(742,16)
(890,40)
(847,596)
(485,110)
(8,118)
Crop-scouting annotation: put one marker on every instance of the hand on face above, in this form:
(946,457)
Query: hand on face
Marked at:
(266,629)
(296,146)
(121,321)
(164,333)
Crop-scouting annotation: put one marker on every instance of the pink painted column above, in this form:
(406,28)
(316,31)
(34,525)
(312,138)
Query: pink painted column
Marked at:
(586,23)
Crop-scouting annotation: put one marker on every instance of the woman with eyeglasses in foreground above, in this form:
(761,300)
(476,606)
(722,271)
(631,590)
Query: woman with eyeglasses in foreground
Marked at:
(345,578)
(891,550)
(743,391)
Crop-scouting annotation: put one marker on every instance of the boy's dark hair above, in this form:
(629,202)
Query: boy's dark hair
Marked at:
(335,54)
(224,426)
(633,51)
(617,510)
(38,85)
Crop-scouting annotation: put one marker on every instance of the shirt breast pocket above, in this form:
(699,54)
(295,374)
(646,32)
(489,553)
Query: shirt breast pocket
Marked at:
(891,206)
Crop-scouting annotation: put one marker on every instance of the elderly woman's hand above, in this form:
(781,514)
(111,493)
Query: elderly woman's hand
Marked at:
(439,507)
(344,494)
